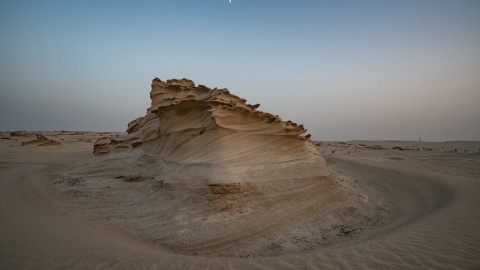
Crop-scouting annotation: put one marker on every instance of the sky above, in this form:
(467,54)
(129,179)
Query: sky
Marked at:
(347,70)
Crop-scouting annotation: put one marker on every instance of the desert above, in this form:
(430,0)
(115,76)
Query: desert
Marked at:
(207,181)
(240,134)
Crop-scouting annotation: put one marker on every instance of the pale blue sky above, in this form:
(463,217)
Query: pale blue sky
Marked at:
(377,70)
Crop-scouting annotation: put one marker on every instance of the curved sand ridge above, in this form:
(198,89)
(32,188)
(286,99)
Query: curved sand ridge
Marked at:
(214,137)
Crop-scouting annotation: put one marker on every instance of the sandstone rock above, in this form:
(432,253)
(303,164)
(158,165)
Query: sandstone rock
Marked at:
(102,146)
(210,136)
(134,125)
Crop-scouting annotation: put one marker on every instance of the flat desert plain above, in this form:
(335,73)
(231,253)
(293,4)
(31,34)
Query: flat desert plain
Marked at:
(388,205)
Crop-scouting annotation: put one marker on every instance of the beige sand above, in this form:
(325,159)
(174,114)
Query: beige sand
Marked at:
(385,209)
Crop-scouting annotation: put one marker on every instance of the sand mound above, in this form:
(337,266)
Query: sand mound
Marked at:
(203,135)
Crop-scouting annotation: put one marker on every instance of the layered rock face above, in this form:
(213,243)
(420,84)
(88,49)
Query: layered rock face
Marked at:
(198,136)
(102,146)
(134,125)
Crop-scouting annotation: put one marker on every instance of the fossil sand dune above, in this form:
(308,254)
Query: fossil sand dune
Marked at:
(201,136)
(163,195)
(211,175)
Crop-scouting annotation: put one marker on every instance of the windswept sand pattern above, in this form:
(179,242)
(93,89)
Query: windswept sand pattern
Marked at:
(192,221)
(434,213)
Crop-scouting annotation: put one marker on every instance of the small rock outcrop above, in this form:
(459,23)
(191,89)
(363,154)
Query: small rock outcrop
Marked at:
(41,140)
(102,146)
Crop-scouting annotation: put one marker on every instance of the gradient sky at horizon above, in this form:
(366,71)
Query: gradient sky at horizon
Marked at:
(372,70)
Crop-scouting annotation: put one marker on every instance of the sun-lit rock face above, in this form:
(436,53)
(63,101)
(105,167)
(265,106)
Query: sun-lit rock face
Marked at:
(210,136)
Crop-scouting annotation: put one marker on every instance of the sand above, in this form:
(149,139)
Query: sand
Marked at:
(412,207)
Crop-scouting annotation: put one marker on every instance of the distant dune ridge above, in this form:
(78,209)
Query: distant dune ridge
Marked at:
(214,136)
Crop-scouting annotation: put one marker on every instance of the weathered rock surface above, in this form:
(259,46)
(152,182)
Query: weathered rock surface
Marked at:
(134,126)
(200,135)
(102,146)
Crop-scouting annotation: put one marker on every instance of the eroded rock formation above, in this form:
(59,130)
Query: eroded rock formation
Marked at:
(134,125)
(41,140)
(197,136)
(102,146)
